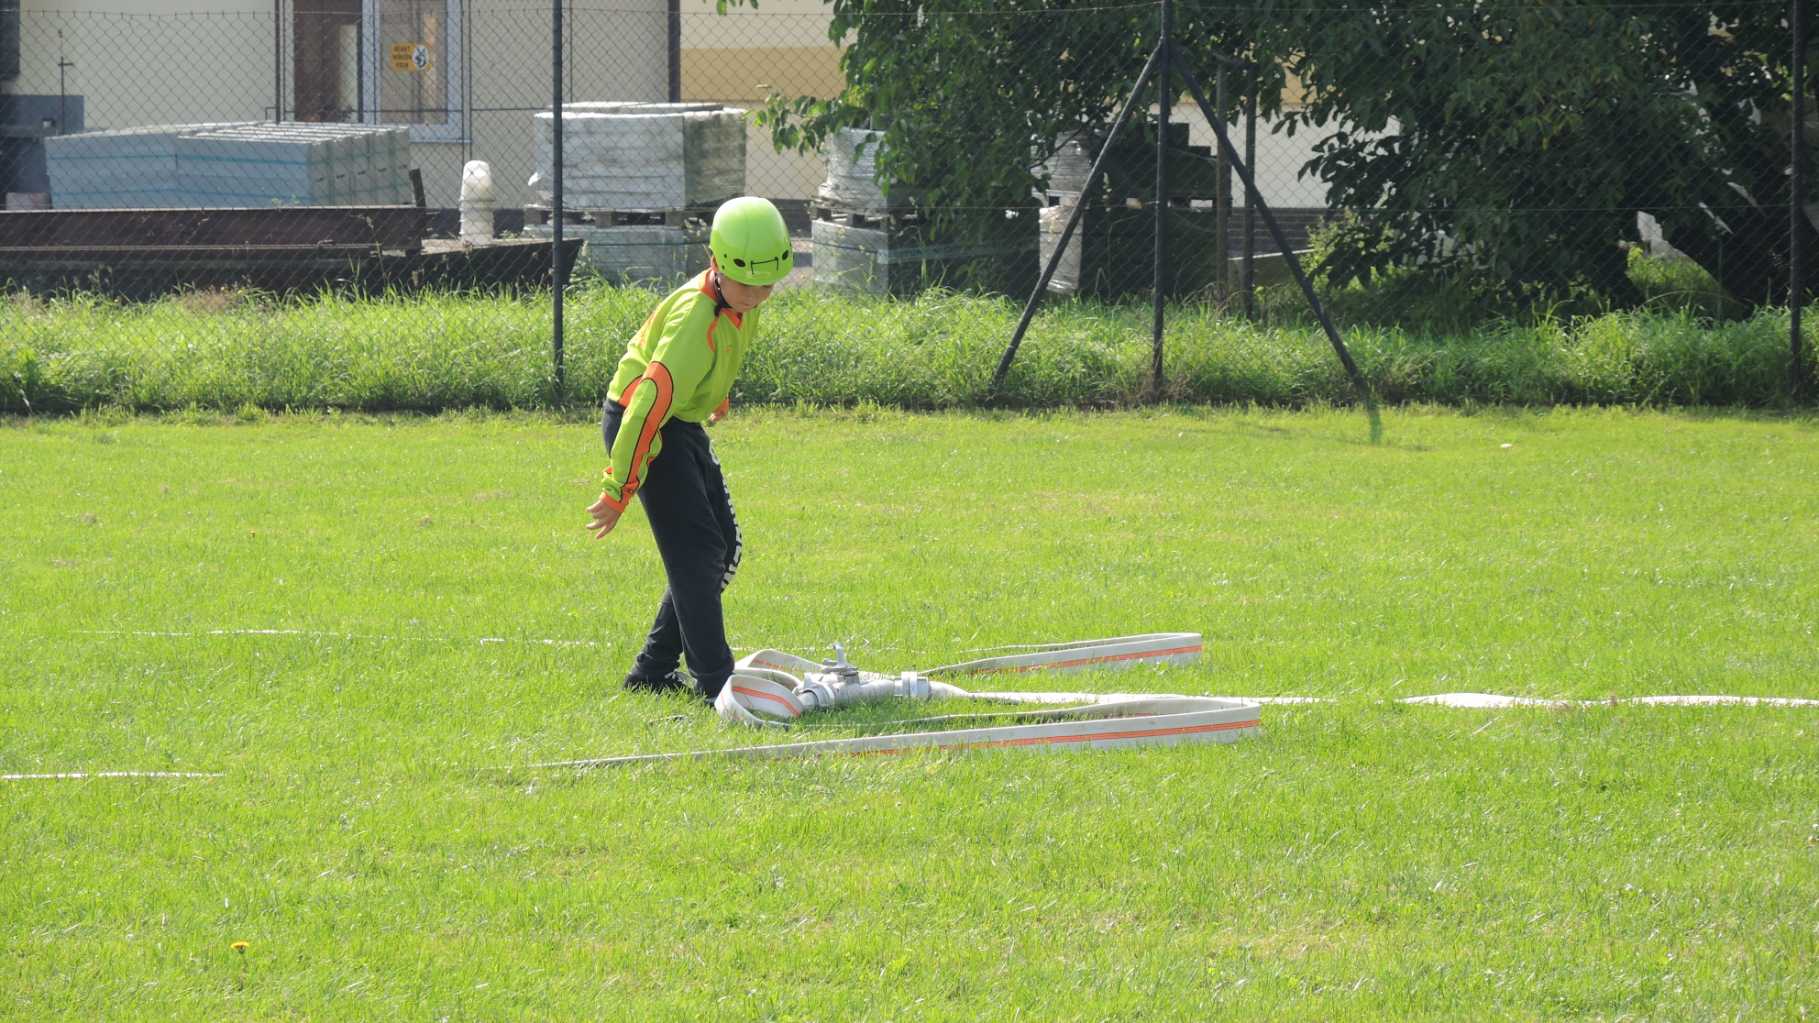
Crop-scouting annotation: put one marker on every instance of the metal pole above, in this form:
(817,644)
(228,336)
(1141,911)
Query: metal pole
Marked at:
(558,279)
(1796,211)
(1164,99)
(277,60)
(675,51)
(468,99)
(1073,220)
(1249,278)
(1222,197)
(1294,264)
(63,66)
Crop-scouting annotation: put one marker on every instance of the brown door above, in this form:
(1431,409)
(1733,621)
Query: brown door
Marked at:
(327,39)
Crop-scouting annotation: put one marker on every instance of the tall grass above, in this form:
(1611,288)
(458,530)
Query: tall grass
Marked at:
(936,351)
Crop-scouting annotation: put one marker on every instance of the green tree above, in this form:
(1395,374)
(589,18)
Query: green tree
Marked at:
(1529,135)
(1509,143)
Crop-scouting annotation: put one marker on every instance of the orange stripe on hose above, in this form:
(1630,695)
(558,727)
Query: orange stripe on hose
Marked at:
(773,697)
(1050,740)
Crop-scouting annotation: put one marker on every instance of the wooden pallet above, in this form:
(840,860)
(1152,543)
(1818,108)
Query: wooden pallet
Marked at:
(872,218)
(537,213)
(1175,202)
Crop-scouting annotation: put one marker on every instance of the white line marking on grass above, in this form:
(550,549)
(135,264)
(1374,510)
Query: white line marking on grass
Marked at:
(317,634)
(83,775)
(1492,701)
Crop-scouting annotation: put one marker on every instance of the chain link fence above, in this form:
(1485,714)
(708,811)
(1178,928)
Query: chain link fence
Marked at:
(303,144)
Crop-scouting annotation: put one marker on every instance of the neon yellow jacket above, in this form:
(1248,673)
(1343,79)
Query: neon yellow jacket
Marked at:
(680,365)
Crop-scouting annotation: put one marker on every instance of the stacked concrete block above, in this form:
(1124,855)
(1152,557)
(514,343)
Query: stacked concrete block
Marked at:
(298,164)
(852,174)
(644,156)
(640,183)
(641,253)
(987,252)
(127,168)
(232,165)
(868,240)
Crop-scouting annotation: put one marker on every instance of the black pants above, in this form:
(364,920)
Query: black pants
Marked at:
(691,516)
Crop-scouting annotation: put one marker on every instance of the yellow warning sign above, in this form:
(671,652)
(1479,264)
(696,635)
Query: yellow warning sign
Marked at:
(410,57)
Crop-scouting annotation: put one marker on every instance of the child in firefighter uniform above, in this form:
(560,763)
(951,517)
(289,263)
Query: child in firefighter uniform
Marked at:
(672,382)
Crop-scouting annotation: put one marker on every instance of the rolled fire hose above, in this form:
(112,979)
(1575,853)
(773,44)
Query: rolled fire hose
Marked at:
(773,689)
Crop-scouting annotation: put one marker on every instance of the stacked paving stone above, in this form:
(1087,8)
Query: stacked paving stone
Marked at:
(640,183)
(127,168)
(298,164)
(242,164)
(645,156)
(867,240)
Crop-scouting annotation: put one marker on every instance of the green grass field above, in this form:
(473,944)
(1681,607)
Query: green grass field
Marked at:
(354,619)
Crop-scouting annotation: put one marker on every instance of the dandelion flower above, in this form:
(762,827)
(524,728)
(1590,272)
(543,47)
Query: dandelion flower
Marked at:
(239,946)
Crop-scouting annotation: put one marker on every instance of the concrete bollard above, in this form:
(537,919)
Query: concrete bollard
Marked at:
(478,199)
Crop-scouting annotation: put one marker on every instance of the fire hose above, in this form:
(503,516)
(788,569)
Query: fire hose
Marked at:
(773,689)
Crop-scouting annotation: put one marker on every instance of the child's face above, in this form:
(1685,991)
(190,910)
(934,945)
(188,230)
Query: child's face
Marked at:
(743,298)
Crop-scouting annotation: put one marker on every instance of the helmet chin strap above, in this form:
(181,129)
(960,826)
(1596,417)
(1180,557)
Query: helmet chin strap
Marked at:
(719,282)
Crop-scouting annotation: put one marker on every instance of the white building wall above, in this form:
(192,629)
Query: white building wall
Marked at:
(168,61)
(741,57)
(616,51)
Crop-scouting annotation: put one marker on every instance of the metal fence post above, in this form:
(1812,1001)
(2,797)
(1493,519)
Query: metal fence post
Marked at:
(675,51)
(557,277)
(1796,208)
(1164,99)
(277,60)
(1222,196)
(1248,279)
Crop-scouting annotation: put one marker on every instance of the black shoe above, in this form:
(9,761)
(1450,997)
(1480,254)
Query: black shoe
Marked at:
(674,682)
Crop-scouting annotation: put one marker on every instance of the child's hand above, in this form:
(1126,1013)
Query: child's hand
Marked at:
(602,517)
(725,409)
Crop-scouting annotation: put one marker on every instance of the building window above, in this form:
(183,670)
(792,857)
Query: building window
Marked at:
(381,62)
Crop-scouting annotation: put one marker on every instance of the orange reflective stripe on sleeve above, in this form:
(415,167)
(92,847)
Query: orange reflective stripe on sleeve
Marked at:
(658,374)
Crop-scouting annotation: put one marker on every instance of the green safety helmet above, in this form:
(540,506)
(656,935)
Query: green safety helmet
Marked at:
(750,243)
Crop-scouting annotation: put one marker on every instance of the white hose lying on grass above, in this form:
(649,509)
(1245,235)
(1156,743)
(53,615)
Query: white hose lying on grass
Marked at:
(773,689)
